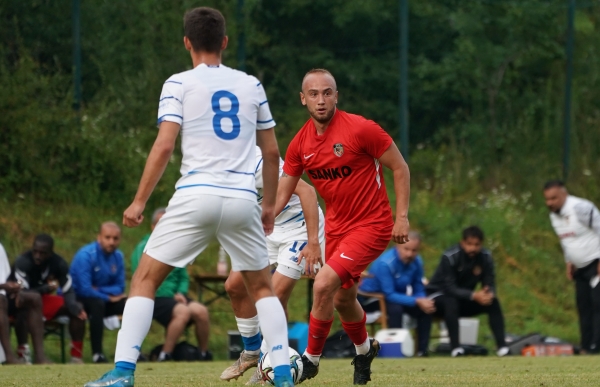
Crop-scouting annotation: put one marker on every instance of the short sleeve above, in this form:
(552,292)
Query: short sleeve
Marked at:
(293,162)
(264,119)
(373,139)
(170,105)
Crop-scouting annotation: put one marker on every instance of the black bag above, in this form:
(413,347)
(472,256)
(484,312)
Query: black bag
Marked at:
(339,345)
(183,351)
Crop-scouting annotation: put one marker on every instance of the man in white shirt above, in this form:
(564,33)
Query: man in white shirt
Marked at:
(222,115)
(576,222)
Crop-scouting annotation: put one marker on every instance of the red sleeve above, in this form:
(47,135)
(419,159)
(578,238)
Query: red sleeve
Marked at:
(373,139)
(293,162)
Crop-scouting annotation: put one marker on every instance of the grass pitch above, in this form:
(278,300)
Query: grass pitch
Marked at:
(436,371)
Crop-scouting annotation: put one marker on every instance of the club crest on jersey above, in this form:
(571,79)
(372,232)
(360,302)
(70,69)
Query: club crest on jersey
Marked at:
(338,149)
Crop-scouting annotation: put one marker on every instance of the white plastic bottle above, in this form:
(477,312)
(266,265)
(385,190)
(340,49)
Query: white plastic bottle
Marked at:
(222,267)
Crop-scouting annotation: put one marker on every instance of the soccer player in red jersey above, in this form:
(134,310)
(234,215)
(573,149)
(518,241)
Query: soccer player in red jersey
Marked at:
(342,154)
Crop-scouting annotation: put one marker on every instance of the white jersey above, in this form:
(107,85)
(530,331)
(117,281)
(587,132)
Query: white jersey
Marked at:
(291,216)
(219,110)
(578,226)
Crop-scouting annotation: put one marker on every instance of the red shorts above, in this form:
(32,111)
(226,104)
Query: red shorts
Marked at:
(350,254)
(51,304)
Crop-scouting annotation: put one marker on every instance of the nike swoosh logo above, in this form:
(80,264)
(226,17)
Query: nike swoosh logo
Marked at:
(346,257)
(309,156)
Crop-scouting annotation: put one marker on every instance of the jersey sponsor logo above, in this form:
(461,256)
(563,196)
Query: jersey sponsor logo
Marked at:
(338,149)
(346,257)
(306,157)
(330,173)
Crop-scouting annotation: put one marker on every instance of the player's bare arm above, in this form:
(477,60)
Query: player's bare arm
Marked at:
(155,167)
(312,251)
(392,159)
(266,141)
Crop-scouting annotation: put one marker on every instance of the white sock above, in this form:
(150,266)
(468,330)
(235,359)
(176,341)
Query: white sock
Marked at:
(273,325)
(264,348)
(137,318)
(313,358)
(363,348)
(162,355)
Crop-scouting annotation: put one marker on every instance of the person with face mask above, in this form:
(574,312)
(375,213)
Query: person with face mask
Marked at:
(392,274)
(576,222)
(453,285)
(98,274)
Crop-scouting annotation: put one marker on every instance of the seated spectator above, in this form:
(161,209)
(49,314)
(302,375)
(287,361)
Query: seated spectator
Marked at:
(172,308)
(452,288)
(43,271)
(98,274)
(392,274)
(27,308)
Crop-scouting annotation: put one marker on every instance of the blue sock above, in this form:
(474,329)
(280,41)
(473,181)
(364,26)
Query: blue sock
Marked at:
(125,366)
(252,343)
(283,372)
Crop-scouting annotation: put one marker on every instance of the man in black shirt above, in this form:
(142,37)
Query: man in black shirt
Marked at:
(452,288)
(43,271)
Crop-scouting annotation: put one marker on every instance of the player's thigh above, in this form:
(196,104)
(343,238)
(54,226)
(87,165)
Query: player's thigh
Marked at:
(185,230)
(355,251)
(241,234)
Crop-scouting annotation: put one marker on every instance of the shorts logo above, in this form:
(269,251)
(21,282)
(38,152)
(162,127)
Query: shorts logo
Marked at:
(338,149)
(346,257)
(294,259)
(277,348)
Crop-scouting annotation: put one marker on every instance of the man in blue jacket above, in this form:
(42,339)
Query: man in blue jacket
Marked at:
(393,274)
(98,274)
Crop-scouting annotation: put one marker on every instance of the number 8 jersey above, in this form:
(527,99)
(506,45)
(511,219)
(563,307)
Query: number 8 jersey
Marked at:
(219,110)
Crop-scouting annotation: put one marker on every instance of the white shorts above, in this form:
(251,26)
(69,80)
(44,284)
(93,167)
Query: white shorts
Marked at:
(192,222)
(284,246)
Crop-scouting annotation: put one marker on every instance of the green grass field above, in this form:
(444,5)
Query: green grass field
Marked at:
(436,371)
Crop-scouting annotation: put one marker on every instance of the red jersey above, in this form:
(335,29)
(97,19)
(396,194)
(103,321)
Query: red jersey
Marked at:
(343,166)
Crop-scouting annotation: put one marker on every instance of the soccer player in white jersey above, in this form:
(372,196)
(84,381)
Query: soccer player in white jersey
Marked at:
(221,113)
(297,242)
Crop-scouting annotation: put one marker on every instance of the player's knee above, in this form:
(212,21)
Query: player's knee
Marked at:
(323,289)
(343,303)
(235,288)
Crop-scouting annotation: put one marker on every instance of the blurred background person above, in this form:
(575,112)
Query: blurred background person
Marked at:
(43,271)
(453,284)
(98,274)
(576,222)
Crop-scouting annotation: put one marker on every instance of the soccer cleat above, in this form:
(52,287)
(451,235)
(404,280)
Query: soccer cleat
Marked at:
(309,370)
(256,379)
(362,364)
(166,357)
(241,365)
(284,382)
(114,378)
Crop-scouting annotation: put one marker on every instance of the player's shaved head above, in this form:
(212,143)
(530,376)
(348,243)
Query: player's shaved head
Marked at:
(319,95)
(318,72)
(205,29)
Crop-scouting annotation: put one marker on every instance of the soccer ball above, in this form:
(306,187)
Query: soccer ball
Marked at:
(268,375)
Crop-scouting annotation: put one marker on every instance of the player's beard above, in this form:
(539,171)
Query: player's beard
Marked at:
(323,119)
